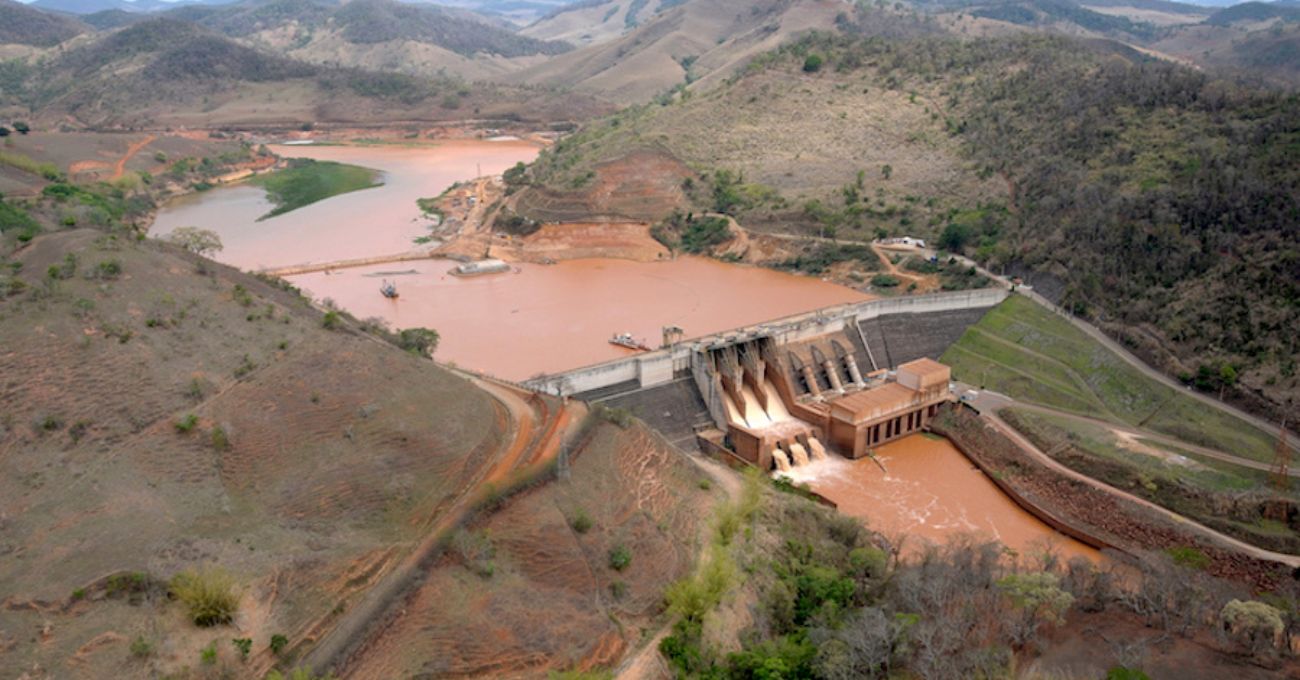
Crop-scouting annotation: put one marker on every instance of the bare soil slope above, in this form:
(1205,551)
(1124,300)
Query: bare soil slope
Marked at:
(700,37)
(525,591)
(315,458)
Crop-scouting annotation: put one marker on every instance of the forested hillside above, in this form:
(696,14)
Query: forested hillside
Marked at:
(1150,197)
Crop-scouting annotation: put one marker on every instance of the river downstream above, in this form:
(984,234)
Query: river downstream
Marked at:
(929,491)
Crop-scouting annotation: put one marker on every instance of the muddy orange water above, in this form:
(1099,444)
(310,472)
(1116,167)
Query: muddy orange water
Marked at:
(546,318)
(379,221)
(931,492)
(533,319)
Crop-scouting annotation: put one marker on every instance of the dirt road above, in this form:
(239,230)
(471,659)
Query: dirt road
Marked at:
(1131,359)
(1223,540)
(119,168)
(357,623)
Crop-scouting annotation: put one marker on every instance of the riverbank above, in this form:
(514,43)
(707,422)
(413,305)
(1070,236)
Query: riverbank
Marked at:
(1096,511)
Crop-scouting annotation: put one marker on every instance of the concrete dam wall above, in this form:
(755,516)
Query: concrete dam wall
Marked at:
(904,322)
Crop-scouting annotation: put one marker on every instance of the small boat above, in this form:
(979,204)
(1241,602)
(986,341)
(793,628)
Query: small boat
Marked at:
(389,290)
(626,340)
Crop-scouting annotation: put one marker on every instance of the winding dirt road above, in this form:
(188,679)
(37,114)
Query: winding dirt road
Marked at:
(119,168)
(358,623)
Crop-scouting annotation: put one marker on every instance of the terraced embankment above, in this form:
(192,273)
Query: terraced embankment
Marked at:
(1097,513)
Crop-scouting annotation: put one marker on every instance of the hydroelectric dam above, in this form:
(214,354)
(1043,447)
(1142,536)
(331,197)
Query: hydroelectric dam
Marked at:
(782,393)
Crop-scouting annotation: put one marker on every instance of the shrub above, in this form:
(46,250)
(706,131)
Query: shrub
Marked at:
(331,320)
(78,594)
(209,595)
(618,416)
(1188,556)
(1254,625)
(140,647)
(580,522)
(220,440)
(244,645)
(278,643)
(242,296)
(813,63)
(619,557)
(884,281)
(129,583)
(187,423)
(209,654)
(475,550)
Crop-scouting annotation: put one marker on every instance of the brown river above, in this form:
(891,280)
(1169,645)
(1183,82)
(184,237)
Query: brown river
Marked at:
(931,492)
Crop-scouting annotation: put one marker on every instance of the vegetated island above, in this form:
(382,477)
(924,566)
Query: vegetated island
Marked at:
(306,181)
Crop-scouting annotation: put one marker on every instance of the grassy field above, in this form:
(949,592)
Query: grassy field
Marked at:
(307,181)
(1026,352)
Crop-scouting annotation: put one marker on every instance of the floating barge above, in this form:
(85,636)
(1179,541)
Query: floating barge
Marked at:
(626,340)
(479,267)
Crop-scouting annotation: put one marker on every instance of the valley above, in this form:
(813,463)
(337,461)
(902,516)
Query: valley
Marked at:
(648,340)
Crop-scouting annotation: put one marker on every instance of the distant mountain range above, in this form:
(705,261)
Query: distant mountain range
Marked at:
(93,6)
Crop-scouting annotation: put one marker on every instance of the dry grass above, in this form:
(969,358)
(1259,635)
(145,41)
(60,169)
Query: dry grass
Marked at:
(340,449)
(210,595)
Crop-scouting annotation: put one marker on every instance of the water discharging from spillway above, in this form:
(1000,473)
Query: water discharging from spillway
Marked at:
(775,417)
(928,490)
(798,453)
(755,416)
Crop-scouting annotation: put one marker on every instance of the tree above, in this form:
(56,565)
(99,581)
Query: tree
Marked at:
(813,63)
(22,127)
(203,242)
(4,131)
(422,341)
(955,236)
(516,176)
(1040,600)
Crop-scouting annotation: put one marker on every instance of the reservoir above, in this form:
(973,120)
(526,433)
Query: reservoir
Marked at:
(531,319)
(382,220)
